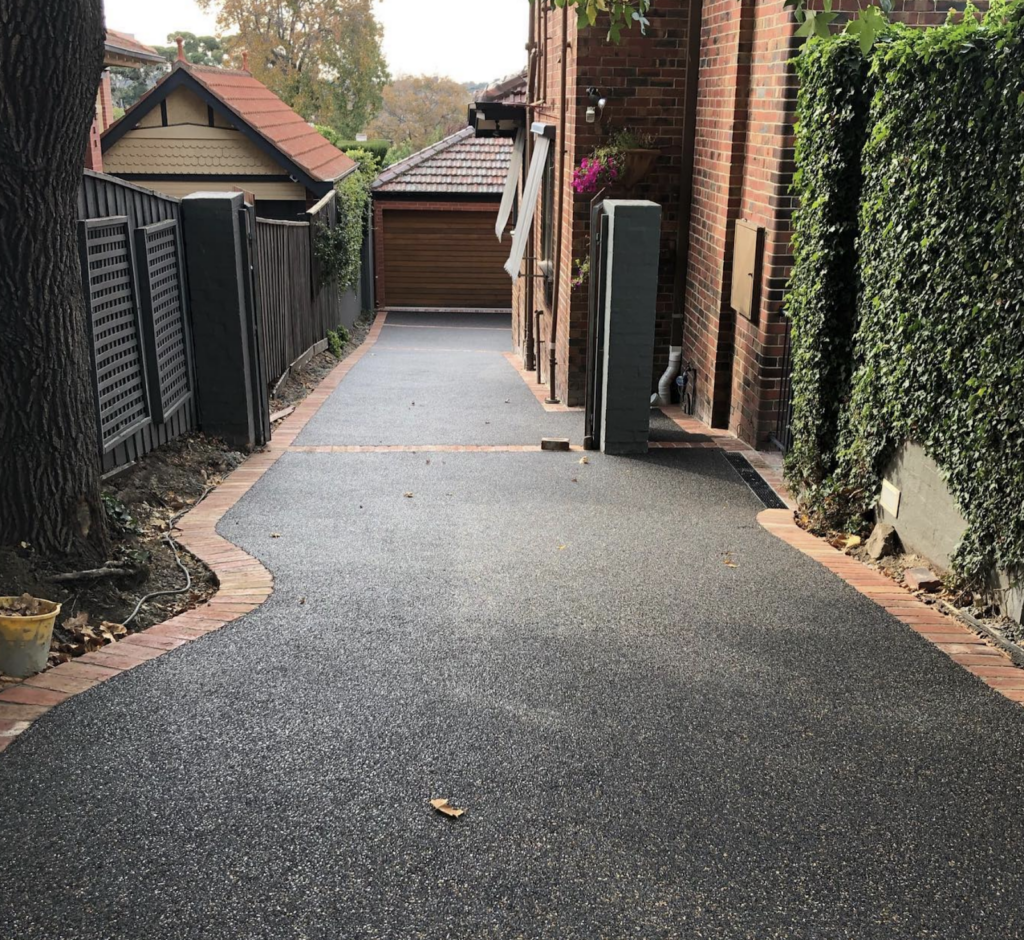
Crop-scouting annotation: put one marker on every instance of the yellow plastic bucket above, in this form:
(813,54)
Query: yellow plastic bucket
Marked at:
(25,641)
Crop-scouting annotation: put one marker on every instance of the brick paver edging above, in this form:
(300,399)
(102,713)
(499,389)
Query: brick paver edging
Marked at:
(244,584)
(540,391)
(962,645)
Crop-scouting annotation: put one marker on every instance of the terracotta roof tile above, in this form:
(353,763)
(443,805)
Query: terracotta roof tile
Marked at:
(128,45)
(508,90)
(461,163)
(262,110)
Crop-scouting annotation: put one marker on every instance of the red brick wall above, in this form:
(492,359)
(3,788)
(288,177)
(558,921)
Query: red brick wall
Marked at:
(106,101)
(743,166)
(644,82)
(743,170)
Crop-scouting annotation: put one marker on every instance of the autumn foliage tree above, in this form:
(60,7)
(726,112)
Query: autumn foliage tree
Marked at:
(419,110)
(323,57)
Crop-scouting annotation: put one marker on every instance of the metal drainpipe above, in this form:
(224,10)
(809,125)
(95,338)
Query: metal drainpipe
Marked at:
(528,358)
(693,28)
(556,293)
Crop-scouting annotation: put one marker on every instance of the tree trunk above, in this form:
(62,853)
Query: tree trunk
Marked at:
(51,58)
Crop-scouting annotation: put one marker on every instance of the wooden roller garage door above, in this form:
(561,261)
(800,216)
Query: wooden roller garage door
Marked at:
(434,258)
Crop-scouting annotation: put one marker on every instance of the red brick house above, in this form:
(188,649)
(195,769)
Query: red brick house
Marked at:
(711,83)
(120,50)
(434,221)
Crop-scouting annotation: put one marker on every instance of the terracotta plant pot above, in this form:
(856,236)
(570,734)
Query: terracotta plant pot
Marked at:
(25,638)
(636,164)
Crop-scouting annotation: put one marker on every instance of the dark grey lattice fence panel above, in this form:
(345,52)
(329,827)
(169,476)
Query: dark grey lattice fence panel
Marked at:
(108,274)
(163,308)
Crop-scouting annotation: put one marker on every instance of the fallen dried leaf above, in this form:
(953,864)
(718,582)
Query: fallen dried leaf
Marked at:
(852,542)
(442,807)
(81,619)
(584,459)
(275,535)
(407,495)
(728,562)
(574,480)
(561,548)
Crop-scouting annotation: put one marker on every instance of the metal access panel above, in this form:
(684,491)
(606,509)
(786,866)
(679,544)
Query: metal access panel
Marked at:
(111,296)
(747,255)
(161,289)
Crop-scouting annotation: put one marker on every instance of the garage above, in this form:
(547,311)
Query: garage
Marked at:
(434,215)
(438,258)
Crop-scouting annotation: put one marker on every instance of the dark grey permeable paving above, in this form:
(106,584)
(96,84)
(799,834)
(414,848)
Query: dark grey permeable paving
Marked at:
(649,744)
(447,384)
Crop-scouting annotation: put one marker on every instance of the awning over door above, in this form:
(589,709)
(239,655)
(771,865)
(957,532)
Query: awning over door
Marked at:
(508,196)
(531,190)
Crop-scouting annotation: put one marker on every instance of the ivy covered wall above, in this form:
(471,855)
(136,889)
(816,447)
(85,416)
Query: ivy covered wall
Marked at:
(933,350)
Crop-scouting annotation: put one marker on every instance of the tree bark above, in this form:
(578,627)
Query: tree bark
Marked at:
(51,59)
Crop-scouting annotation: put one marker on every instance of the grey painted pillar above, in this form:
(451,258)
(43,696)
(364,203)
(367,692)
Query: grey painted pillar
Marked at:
(220,318)
(631,269)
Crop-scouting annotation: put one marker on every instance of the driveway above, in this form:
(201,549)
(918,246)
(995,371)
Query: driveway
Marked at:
(648,742)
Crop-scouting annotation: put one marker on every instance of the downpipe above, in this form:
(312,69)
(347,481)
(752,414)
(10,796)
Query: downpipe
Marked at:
(664,394)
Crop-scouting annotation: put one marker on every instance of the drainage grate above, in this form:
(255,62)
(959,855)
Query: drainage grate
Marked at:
(754,480)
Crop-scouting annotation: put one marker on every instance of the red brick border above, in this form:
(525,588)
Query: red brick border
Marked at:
(540,391)
(244,584)
(962,645)
(425,448)
(725,440)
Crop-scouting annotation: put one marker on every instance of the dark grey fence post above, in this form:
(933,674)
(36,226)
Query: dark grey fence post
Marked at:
(634,230)
(221,320)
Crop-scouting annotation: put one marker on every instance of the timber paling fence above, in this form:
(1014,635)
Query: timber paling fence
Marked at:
(136,286)
(298,309)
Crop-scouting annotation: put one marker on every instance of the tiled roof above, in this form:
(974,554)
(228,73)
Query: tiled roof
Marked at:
(508,90)
(262,110)
(126,45)
(460,163)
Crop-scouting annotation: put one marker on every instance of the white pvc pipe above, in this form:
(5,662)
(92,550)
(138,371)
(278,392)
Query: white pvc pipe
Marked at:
(664,394)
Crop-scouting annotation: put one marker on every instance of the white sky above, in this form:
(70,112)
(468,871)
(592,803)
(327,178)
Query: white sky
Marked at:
(468,40)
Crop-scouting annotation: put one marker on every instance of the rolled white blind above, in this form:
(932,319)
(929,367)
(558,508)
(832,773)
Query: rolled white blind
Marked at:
(508,197)
(530,192)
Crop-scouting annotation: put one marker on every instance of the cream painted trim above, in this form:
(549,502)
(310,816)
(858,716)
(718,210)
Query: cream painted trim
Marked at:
(285,191)
(529,208)
(508,196)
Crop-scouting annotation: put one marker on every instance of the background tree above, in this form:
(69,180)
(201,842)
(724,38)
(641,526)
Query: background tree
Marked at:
(49,466)
(128,85)
(323,57)
(199,50)
(418,110)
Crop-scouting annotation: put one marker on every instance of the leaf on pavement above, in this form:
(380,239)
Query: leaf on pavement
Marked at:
(584,459)
(728,562)
(442,807)
(407,495)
